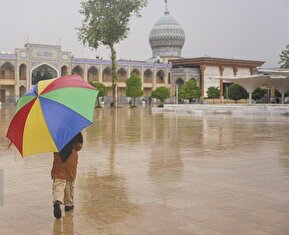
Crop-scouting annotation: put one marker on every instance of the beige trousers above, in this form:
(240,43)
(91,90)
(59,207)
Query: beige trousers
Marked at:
(63,191)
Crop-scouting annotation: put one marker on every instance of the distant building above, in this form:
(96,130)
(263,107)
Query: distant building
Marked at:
(202,69)
(35,62)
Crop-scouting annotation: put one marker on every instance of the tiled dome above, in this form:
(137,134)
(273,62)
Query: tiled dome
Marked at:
(167,37)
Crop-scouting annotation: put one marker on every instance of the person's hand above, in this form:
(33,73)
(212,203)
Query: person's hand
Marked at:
(78,146)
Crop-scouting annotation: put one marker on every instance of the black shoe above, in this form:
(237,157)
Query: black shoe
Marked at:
(68,208)
(57,210)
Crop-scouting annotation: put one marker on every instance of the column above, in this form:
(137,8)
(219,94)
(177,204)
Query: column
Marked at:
(128,72)
(221,68)
(85,72)
(100,73)
(235,69)
(16,82)
(154,78)
(166,78)
(202,69)
(142,77)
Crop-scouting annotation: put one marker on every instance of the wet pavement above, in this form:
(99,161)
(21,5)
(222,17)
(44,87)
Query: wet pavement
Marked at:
(144,173)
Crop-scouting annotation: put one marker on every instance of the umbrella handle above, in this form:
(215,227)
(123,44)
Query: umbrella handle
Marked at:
(9,145)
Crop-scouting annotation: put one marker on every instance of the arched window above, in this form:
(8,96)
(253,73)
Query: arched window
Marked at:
(92,74)
(135,71)
(107,74)
(23,72)
(160,76)
(77,70)
(7,71)
(121,75)
(148,76)
(22,90)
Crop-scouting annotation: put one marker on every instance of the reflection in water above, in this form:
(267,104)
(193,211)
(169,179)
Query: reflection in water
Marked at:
(165,160)
(136,164)
(64,225)
(105,197)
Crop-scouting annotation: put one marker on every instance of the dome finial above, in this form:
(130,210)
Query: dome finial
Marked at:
(167,6)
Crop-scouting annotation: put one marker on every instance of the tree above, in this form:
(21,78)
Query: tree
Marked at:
(237,92)
(102,90)
(258,93)
(213,93)
(284,58)
(106,22)
(133,87)
(190,90)
(161,93)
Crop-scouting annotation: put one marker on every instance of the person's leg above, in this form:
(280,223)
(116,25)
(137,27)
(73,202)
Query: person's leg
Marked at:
(58,188)
(68,195)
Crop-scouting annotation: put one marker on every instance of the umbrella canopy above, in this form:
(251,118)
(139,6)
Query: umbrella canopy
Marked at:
(51,114)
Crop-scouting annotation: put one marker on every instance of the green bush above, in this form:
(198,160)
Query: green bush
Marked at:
(237,92)
(189,90)
(213,93)
(134,87)
(161,93)
(102,89)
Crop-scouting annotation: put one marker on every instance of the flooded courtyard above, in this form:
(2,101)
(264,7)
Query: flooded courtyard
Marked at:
(145,173)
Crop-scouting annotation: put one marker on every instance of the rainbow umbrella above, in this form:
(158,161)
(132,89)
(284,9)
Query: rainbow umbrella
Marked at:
(51,114)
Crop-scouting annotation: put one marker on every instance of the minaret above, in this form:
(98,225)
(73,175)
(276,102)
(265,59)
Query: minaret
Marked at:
(167,7)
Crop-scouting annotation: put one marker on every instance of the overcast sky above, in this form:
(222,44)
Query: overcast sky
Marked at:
(240,29)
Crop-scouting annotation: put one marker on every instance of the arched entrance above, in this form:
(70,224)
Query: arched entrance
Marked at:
(22,91)
(64,71)
(180,82)
(43,72)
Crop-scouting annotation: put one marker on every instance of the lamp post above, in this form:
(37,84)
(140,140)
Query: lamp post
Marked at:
(227,93)
(177,93)
(116,101)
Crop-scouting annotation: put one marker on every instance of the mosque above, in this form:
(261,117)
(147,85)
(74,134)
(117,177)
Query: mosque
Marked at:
(35,62)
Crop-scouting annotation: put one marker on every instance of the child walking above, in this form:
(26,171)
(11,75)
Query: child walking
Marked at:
(63,174)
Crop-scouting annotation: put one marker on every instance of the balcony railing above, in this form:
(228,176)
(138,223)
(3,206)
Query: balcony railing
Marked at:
(23,77)
(159,80)
(148,80)
(7,77)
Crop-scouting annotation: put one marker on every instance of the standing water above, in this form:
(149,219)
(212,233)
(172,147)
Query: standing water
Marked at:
(144,173)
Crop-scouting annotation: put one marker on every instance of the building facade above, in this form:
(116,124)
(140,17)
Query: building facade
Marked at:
(35,62)
(203,69)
